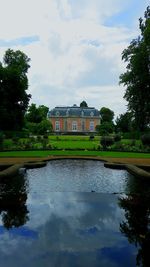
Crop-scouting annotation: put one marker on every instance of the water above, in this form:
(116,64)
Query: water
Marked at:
(50,217)
(78,176)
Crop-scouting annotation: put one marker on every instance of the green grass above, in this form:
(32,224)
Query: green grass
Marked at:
(43,153)
(71,138)
(75,144)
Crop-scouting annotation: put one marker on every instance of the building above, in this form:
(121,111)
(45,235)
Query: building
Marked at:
(74,119)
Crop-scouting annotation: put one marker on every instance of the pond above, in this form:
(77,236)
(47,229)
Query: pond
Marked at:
(74,213)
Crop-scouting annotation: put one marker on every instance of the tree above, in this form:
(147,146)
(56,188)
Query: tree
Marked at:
(83,104)
(43,110)
(105,128)
(44,127)
(33,114)
(107,115)
(136,224)
(13,86)
(36,114)
(36,119)
(124,122)
(137,77)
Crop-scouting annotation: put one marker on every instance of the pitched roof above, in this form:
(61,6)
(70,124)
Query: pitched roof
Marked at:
(74,111)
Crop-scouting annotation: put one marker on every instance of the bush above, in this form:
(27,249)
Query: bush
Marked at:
(145,138)
(131,135)
(1,140)
(106,141)
(117,138)
(20,134)
(91,137)
(8,144)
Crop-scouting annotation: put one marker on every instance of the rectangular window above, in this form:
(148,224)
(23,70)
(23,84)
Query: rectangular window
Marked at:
(83,125)
(92,126)
(57,125)
(74,126)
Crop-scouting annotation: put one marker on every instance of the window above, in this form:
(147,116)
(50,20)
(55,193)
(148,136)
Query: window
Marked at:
(83,125)
(82,113)
(74,126)
(57,125)
(91,126)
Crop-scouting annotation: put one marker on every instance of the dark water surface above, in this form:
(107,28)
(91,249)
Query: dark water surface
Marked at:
(50,217)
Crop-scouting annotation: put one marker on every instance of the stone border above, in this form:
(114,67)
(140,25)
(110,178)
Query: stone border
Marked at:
(137,171)
(11,170)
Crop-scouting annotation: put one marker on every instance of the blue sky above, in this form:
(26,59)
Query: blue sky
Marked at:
(75,47)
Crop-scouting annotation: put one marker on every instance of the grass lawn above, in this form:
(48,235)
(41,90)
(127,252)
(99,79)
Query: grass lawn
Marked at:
(71,138)
(86,144)
(46,153)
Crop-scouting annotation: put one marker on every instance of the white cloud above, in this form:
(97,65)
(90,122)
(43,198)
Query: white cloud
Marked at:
(76,52)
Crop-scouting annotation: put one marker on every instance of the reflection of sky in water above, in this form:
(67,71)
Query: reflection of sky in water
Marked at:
(67,229)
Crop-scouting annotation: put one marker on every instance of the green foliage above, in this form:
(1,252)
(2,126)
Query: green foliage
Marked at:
(33,114)
(13,85)
(117,137)
(36,120)
(123,122)
(137,77)
(146,139)
(44,127)
(83,104)
(107,115)
(105,128)
(106,141)
(36,114)
(131,135)
(91,137)
(1,140)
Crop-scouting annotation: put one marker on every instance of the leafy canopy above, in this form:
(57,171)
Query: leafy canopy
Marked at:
(107,115)
(136,79)
(13,86)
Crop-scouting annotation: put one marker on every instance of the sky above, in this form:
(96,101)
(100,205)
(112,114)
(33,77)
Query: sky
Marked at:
(75,47)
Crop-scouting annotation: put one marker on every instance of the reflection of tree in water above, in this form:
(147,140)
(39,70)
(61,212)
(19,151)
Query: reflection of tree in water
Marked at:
(137,224)
(13,196)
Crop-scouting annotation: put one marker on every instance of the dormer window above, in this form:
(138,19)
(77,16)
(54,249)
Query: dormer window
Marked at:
(57,113)
(67,112)
(82,113)
(92,114)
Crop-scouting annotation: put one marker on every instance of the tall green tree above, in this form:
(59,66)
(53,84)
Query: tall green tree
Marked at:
(136,79)
(124,122)
(13,86)
(107,125)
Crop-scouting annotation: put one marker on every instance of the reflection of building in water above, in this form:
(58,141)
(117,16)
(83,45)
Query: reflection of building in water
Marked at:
(137,225)
(13,196)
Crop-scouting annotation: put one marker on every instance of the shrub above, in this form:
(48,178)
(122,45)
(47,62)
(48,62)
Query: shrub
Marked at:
(117,138)
(106,141)
(131,135)
(1,140)
(15,139)
(145,138)
(91,137)
(8,144)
